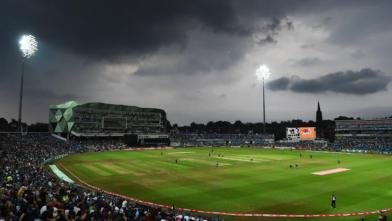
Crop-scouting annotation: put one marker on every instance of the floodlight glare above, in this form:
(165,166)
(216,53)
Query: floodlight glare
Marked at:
(263,72)
(28,45)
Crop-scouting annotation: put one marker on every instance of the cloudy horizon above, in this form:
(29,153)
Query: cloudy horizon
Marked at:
(197,59)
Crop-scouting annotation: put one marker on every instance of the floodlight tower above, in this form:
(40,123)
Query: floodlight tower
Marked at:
(262,74)
(28,45)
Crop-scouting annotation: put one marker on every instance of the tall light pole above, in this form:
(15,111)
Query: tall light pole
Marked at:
(262,74)
(28,45)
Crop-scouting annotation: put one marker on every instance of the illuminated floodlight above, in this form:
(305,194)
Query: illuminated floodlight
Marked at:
(263,72)
(28,45)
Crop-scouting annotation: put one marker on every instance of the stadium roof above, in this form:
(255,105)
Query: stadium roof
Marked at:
(66,105)
(103,106)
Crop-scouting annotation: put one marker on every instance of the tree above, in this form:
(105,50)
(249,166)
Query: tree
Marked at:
(344,118)
(4,124)
(39,127)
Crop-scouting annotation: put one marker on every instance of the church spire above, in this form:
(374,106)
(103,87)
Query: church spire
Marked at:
(319,122)
(319,114)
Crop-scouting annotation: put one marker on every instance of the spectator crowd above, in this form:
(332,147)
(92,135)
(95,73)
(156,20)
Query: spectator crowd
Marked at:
(375,145)
(28,191)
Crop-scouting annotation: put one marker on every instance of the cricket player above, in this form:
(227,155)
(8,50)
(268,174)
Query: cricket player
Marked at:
(333,201)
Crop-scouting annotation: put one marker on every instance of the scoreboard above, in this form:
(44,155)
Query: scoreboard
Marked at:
(300,133)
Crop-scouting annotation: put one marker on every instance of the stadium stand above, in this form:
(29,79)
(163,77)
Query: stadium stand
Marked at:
(28,191)
(364,135)
(107,120)
(99,120)
(214,139)
(305,144)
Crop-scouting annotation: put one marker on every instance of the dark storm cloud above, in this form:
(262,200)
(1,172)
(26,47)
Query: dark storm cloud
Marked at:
(79,40)
(279,84)
(367,19)
(217,52)
(105,30)
(50,95)
(266,40)
(271,28)
(365,81)
(145,52)
(309,61)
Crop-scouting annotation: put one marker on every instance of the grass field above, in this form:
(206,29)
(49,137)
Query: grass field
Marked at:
(245,180)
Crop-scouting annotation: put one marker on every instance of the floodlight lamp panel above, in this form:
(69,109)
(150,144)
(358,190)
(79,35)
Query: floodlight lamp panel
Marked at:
(28,45)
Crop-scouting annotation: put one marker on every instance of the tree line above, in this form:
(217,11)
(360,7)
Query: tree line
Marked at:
(12,126)
(238,127)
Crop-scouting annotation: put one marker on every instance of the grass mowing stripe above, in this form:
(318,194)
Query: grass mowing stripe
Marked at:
(127,168)
(88,170)
(104,167)
(118,168)
(270,185)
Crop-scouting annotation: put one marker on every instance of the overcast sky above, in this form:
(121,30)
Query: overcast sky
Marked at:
(197,59)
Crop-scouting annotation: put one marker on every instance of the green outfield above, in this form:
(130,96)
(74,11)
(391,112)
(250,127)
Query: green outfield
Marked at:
(241,179)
